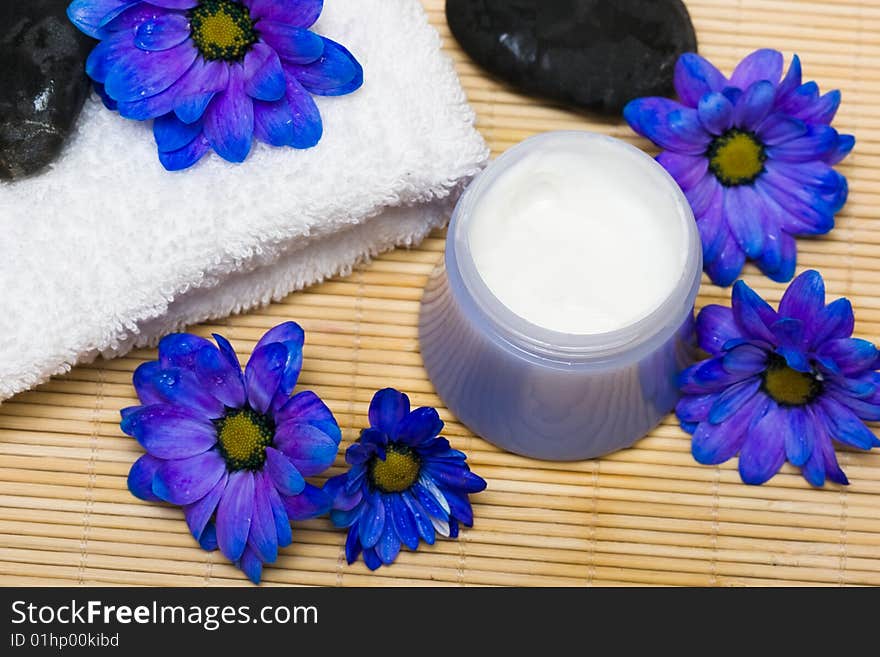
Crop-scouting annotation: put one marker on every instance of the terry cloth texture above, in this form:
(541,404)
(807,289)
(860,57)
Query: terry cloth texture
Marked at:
(107,251)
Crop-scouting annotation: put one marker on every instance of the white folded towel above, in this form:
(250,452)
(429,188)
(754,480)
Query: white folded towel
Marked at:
(107,251)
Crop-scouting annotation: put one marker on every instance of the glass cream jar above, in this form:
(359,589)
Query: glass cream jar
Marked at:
(579,392)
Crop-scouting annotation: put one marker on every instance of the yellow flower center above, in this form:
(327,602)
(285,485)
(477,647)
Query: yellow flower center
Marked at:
(222,29)
(736,158)
(244,436)
(398,472)
(789,387)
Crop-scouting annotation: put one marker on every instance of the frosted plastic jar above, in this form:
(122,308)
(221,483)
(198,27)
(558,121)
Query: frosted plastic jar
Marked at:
(544,393)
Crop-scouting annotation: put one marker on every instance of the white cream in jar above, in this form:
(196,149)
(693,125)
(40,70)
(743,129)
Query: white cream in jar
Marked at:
(578,239)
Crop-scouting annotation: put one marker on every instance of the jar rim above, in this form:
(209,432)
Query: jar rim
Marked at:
(544,343)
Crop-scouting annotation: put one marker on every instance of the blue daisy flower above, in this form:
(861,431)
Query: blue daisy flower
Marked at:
(405,483)
(781,385)
(218,73)
(754,156)
(232,448)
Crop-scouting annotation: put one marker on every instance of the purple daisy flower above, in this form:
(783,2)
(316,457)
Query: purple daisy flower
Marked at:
(232,449)
(215,73)
(781,385)
(754,156)
(405,483)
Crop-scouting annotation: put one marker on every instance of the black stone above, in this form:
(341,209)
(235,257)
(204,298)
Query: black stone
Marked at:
(42,82)
(597,54)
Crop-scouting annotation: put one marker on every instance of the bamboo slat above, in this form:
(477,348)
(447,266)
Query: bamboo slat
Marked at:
(647,516)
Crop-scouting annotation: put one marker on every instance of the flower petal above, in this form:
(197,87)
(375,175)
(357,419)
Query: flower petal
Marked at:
(143,379)
(251,565)
(754,105)
(307,125)
(799,432)
(694,77)
(208,539)
(229,120)
(404,522)
(708,376)
(185,481)
(423,523)
(745,359)
(311,503)
(219,376)
(372,521)
(352,545)
(88,15)
(263,75)
(705,195)
(283,473)
(263,374)
(311,450)
(727,267)
(843,425)
(454,475)
(804,299)
(753,315)
(835,321)
(306,407)
(292,337)
(742,209)
(371,559)
(182,387)
(162,32)
(138,74)
(813,145)
(387,410)
(335,73)
(180,349)
(762,64)
(140,477)
(293,44)
(199,513)
(388,546)
(198,87)
(716,113)
(780,128)
(823,110)
(712,227)
(848,355)
(279,513)
(105,55)
(732,399)
(186,156)
(716,443)
(300,13)
(845,144)
(273,122)
(460,508)
(172,134)
(235,513)
(695,408)
(170,432)
(790,339)
(668,124)
(419,426)
(175,4)
(790,82)
(687,170)
(262,537)
(763,452)
(823,463)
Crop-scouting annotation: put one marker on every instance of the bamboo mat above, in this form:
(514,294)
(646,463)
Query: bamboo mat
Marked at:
(648,515)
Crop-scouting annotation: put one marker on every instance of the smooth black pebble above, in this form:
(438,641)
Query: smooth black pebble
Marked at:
(598,54)
(43,84)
